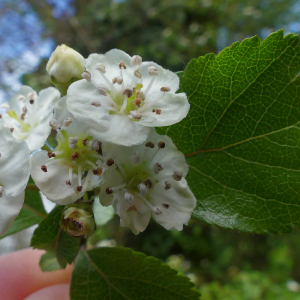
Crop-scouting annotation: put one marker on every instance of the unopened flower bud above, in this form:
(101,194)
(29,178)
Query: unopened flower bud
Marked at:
(78,220)
(65,66)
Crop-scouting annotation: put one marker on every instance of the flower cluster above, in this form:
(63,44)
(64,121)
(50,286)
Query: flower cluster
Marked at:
(105,140)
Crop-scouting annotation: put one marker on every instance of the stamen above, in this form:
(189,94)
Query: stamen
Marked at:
(147,104)
(51,154)
(68,121)
(70,175)
(21,98)
(149,184)
(165,205)
(73,142)
(101,67)
(91,164)
(139,94)
(136,115)
(157,168)
(44,168)
(137,102)
(128,197)
(108,191)
(157,111)
(177,176)
(122,65)
(118,187)
(118,80)
(102,90)
(97,171)
(68,182)
(94,145)
(143,189)
(110,162)
(161,145)
(87,76)
(137,73)
(1,191)
(155,209)
(54,124)
(165,89)
(24,109)
(127,92)
(153,71)
(167,185)
(75,155)
(124,104)
(149,86)
(79,175)
(136,60)
(149,145)
(78,189)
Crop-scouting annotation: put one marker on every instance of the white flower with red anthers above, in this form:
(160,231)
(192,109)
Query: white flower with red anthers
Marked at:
(28,115)
(14,175)
(74,166)
(121,97)
(148,179)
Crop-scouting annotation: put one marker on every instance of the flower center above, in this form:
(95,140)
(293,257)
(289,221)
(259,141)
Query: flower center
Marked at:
(23,126)
(80,156)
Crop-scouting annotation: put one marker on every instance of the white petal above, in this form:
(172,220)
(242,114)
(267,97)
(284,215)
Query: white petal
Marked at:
(111,60)
(46,101)
(15,104)
(165,78)
(61,113)
(132,218)
(121,131)
(80,96)
(176,204)
(9,209)
(14,163)
(53,182)
(174,107)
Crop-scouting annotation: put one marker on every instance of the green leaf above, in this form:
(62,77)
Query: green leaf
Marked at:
(241,137)
(50,236)
(48,262)
(32,213)
(120,273)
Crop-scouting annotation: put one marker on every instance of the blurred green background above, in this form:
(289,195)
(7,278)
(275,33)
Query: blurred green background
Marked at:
(222,264)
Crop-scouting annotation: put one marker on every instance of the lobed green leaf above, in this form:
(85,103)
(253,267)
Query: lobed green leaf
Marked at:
(241,137)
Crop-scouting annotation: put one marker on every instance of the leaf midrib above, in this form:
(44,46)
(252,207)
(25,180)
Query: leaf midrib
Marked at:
(232,101)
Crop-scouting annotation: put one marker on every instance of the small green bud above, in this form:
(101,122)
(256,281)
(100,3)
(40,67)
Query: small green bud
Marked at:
(64,67)
(78,220)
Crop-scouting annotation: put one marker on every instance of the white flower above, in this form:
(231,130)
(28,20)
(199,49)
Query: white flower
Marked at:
(75,165)
(120,98)
(65,64)
(14,175)
(146,179)
(28,115)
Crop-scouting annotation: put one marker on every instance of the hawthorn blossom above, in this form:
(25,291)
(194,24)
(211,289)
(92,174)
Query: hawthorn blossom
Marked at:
(74,166)
(121,97)
(14,175)
(148,179)
(28,115)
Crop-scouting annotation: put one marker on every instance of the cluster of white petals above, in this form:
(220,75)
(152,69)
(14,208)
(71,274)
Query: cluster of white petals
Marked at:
(28,115)
(14,175)
(106,141)
(122,97)
(74,166)
(148,179)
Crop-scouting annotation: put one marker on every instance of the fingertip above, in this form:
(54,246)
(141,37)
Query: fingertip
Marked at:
(54,292)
